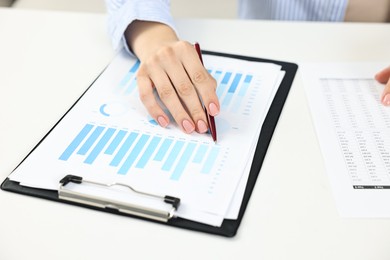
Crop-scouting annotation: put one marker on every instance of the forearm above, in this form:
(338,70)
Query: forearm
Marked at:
(145,38)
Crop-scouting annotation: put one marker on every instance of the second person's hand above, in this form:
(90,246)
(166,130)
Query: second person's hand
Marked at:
(173,68)
(384,78)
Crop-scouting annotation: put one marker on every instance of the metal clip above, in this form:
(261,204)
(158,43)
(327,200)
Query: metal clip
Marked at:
(127,208)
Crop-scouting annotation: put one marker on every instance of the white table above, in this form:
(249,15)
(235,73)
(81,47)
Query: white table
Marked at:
(47,59)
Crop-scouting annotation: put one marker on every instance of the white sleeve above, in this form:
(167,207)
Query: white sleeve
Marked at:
(123,12)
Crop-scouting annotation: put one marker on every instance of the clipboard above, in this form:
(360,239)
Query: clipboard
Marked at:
(229,227)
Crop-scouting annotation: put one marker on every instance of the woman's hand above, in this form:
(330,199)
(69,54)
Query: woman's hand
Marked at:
(173,68)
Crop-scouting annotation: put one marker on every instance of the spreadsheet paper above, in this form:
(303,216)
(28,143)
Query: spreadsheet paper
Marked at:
(353,129)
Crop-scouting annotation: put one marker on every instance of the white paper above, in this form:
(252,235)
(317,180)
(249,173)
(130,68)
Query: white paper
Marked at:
(235,205)
(204,175)
(353,129)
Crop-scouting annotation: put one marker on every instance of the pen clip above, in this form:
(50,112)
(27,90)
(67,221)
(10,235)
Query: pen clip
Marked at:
(122,207)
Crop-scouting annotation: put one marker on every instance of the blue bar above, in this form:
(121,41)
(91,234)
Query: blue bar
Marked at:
(208,165)
(131,87)
(153,122)
(117,140)
(130,74)
(76,142)
(91,140)
(243,90)
(221,89)
(126,79)
(245,85)
(200,153)
(248,79)
(235,82)
(135,67)
(123,150)
(163,150)
(181,165)
(173,156)
(134,154)
(222,86)
(148,152)
(226,78)
(217,75)
(226,101)
(241,94)
(237,104)
(99,146)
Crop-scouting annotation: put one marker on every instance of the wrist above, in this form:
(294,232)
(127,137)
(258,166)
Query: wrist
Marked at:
(144,37)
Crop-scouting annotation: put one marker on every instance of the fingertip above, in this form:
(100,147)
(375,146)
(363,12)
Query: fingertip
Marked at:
(213,109)
(162,121)
(376,76)
(380,78)
(188,126)
(386,99)
(383,76)
(202,127)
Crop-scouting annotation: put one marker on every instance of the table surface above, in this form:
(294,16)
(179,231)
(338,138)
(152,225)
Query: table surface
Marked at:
(49,58)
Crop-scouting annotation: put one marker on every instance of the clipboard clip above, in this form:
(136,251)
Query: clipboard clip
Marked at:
(127,208)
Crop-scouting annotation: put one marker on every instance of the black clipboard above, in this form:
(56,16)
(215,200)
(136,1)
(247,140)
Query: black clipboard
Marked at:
(229,227)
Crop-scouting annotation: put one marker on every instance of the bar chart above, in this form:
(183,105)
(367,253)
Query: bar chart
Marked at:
(232,87)
(108,136)
(127,150)
(128,84)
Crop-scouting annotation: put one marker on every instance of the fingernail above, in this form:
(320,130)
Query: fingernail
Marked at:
(386,100)
(161,120)
(213,109)
(188,126)
(202,127)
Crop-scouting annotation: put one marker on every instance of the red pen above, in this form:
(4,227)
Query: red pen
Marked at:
(210,119)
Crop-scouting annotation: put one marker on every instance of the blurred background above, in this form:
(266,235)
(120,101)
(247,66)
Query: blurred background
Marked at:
(180,8)
(357,11)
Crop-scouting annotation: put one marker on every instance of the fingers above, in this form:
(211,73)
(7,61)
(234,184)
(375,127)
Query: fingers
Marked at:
(187,94)
(147,97)
(204,83)
(169,97)
(384,78)
(180,79)
(386,94)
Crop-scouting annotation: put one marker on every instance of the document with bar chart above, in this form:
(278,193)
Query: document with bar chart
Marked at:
(108,136)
